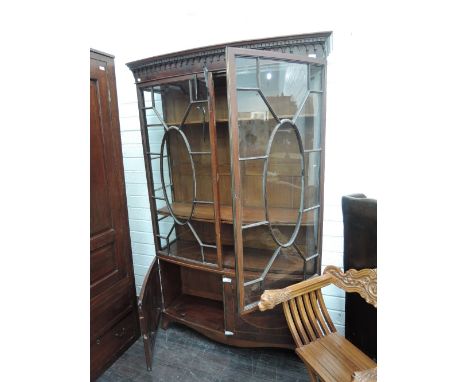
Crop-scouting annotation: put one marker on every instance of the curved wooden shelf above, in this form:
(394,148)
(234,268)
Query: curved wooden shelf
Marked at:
(226,120)
(254,259)
(197,311)
(205,212)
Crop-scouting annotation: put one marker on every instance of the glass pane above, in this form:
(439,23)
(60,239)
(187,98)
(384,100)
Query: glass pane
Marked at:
(153,120)
(307,240)
(309,122)
(246,71)
(284,182)
(259,256)
(196,127)
(312,179)
(284,85)
(147,97)
(155,136)
(187,243)
(222,110)
(252,195)
(199,88)
(157,179)
(151,117)
(181,170)
(290,270)
(203,175)
(315,77)
(175,100)
(255,124)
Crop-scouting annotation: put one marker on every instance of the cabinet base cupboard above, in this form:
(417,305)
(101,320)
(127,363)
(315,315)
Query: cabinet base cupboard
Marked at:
(233,139)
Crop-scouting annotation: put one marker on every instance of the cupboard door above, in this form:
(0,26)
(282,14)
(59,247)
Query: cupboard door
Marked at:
(276,120)
(149,310)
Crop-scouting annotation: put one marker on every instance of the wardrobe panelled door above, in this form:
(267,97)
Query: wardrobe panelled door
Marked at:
(113,313)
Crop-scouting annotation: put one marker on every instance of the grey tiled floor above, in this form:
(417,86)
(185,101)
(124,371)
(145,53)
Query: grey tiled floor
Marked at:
(182,354)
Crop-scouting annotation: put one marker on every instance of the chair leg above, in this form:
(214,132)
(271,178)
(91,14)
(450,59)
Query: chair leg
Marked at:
(313,377)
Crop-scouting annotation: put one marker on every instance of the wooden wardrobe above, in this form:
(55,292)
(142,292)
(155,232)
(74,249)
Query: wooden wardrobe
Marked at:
(114,320)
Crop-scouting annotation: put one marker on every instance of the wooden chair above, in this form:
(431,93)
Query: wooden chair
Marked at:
(327,355)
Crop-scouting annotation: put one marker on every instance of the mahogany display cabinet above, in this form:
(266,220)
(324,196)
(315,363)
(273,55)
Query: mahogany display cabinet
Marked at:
(233,138)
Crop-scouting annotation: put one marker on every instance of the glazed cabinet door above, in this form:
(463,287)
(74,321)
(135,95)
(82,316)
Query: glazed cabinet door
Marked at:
(149,310)
(178,139)
(276,121)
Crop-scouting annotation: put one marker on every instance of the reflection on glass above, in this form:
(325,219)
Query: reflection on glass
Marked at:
(259,249)
(147,97)
(246,70)
(283,85)
(315,77)
(312,180)
(309,122)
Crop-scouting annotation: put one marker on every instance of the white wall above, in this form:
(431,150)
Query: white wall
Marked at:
(139,214)
(350,164)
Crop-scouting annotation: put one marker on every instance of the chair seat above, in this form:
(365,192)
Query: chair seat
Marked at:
(334,358)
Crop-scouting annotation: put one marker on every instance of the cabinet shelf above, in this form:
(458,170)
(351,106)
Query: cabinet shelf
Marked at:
(254,259)
(239,119)
(198,311)
(283,216)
